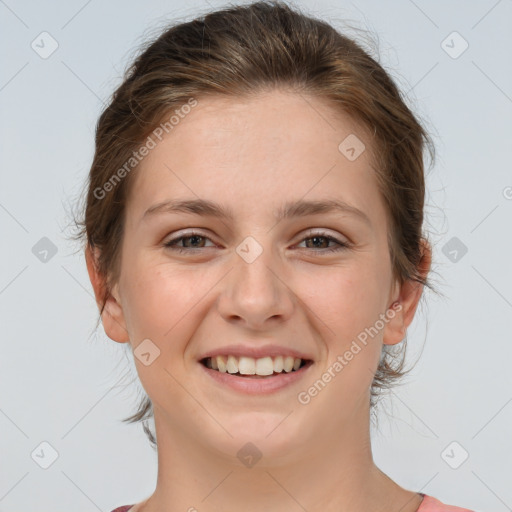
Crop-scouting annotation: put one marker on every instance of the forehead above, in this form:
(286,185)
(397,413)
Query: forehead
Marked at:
(257,153)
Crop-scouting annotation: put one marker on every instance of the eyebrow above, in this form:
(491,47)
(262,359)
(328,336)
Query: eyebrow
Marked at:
(289,210)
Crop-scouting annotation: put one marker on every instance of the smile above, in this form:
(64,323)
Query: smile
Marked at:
(255,375)
(262,367)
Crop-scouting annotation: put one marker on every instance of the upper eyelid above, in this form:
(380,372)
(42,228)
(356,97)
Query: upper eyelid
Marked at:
(310,232)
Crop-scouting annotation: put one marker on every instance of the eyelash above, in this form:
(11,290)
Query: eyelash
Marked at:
(171,244)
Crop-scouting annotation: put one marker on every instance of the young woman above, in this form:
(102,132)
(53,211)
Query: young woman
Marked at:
(253,229)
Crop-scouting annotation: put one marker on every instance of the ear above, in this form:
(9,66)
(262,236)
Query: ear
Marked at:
(112,317)
(404,306)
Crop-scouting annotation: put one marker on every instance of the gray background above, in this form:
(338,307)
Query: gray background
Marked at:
(63,384)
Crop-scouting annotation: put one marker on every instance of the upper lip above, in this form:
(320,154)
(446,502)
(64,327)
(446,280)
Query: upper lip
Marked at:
(255,352)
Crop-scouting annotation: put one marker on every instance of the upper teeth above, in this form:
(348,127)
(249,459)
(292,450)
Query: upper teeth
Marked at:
(250,366)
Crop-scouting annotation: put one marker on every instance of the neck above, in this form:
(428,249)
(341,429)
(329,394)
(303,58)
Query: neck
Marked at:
(327,476)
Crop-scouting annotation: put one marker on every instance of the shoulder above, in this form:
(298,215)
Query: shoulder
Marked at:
(431,504)
(124,508)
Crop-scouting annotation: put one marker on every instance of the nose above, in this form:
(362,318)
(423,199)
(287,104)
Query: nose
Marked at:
(256,295)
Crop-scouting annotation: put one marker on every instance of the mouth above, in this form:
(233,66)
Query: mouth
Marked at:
(255,368)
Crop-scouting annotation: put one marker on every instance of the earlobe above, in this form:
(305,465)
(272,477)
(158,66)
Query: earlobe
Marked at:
(112,316)
(408,300)
(113,321)
(395,328)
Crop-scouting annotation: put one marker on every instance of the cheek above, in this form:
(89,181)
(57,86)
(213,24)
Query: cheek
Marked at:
(158,299)
(346,300)
(161,304)
(348,304)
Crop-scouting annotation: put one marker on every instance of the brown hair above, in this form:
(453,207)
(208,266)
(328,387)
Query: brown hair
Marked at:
(240,51)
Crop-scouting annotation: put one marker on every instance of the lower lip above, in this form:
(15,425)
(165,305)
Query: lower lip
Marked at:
(258,385)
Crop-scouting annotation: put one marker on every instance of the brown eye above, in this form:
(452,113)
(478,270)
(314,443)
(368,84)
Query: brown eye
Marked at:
(191,241)
(321,241)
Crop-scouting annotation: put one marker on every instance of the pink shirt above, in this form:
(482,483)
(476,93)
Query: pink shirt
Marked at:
(429,504)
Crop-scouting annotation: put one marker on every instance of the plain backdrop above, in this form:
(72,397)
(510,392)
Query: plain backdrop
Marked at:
(445,432)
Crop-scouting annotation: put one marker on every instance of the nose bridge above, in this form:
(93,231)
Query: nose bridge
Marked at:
(254,290)
(255,277)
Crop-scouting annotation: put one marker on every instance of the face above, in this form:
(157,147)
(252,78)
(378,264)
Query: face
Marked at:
(257,284)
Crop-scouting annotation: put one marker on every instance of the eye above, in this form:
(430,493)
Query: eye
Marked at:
(192,236)
(322,238)
(195,240)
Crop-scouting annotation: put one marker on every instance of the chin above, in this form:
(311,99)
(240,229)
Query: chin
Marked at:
(264,433)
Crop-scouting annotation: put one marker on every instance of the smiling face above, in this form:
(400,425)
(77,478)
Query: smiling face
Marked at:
(260,281)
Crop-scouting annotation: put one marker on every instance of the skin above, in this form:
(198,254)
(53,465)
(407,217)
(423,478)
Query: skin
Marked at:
(253,155)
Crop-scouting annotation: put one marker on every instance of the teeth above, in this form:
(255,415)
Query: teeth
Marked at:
(288,364)
(265,366)
(221,363)
(232,365)
(247,366)
(250,366)
(278,364)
